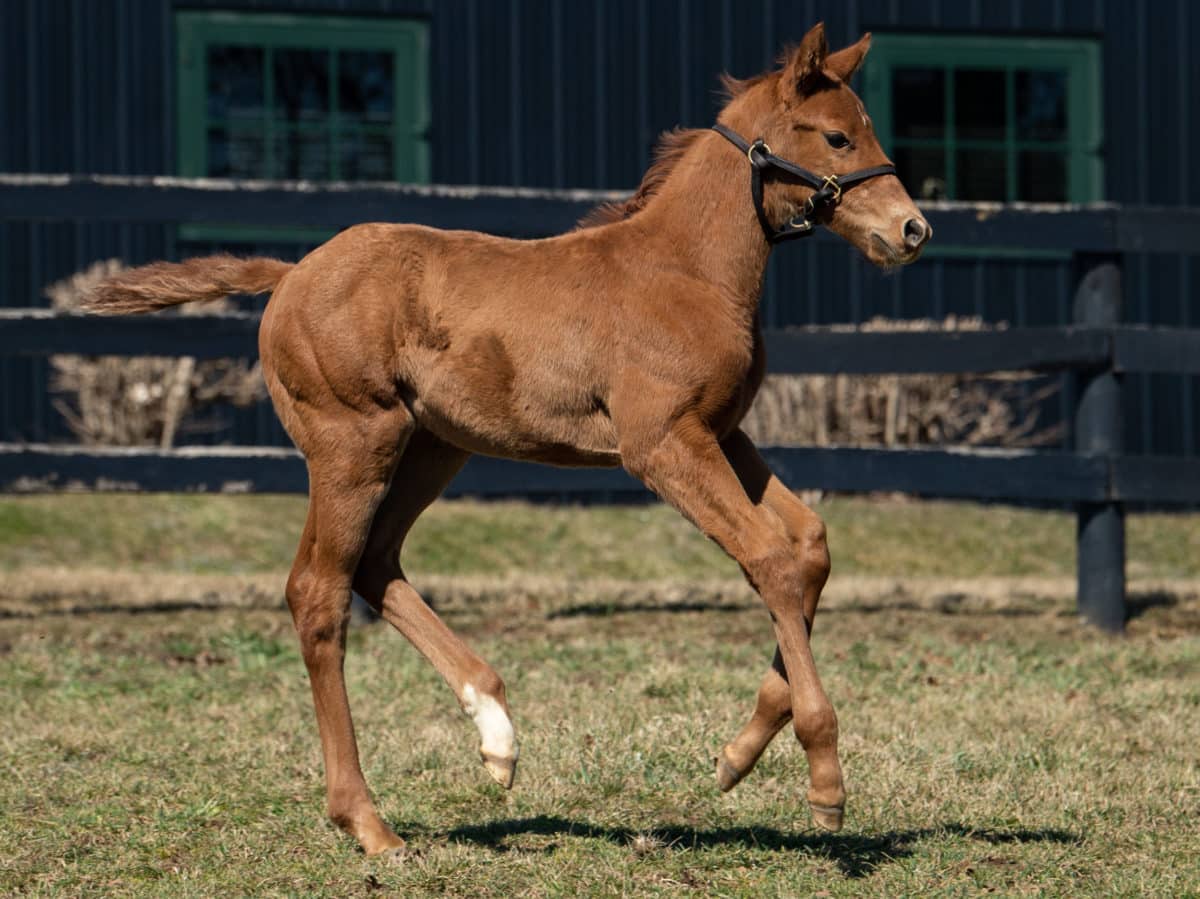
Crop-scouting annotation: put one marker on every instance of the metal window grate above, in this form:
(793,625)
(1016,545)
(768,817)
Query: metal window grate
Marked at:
(989,118)
(302,98)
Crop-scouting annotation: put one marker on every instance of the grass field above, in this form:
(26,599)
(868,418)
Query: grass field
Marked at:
(158,735)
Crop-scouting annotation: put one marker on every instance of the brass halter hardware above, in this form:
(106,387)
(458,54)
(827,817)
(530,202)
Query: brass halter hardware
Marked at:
(827,189)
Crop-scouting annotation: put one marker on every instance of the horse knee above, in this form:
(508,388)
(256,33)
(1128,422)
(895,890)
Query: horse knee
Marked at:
(778,574)
(321,637)
(320,610)
(298,584)
(812,546)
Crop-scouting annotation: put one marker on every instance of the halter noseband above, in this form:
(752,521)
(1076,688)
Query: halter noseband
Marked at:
(828,188)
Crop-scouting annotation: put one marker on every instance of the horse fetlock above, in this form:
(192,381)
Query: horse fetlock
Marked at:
(827,795)
(368,828)
(497,741)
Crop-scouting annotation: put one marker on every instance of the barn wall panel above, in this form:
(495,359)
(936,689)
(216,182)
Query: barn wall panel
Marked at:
(569,94)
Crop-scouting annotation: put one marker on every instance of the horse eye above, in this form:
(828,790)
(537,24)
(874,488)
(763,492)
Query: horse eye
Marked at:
(837,140)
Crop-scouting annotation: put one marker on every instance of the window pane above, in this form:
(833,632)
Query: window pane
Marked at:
(301,84)
(1041,105)
(922,171)
(365,157)
(235,82)
(302,155)
(235,154)
(365,85)
(979,108)
(919,103)
(1042,176)
(981,175)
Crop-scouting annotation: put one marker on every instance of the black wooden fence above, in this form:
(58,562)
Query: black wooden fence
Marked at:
(1097,478)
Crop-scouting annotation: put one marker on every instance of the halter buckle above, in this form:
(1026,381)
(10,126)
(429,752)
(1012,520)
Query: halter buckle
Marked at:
(828,187)
(762,147)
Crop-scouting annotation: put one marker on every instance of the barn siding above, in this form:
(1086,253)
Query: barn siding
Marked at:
(557,93)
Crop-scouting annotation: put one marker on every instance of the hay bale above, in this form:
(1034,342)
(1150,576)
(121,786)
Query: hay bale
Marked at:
(141,400)
(904,410)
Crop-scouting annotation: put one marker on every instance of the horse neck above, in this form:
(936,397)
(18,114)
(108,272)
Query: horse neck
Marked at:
(704,213)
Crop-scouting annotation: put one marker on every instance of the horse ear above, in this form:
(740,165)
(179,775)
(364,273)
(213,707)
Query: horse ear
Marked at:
(803,65)
(847,61)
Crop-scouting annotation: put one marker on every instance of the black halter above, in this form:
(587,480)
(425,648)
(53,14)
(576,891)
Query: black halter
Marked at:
(828,188)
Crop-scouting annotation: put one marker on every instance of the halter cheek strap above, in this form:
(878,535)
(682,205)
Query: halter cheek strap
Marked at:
(828,188)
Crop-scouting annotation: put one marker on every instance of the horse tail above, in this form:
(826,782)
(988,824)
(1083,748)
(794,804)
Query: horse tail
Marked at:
(163,284)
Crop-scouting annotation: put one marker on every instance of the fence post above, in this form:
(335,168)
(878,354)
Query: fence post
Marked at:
(1100,534)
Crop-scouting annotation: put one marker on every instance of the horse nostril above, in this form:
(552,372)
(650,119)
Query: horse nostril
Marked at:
(916,232)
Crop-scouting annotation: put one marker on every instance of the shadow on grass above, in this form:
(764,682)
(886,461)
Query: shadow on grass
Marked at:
(607,610)
(857,855)
(166,606)
(949,604)
(1138,604)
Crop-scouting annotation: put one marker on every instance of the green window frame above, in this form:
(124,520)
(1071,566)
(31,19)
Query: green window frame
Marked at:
(407,40)
(1078,59)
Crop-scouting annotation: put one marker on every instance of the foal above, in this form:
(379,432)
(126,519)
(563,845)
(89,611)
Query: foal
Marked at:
(394,352)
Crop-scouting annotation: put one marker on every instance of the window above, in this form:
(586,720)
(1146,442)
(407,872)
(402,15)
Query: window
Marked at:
(987,118)
(300,97)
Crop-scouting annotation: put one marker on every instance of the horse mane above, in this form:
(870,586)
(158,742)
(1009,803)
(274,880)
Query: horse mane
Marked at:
(667,152)
(732,88)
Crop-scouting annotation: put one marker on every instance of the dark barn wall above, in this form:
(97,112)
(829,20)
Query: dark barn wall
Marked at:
(571,94)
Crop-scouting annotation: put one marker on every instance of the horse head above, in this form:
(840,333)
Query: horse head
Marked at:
(806,112)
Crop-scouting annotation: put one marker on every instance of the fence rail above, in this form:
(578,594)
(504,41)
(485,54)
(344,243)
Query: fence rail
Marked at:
(795,351)
(1014,475)
(1018,475)
(534,212)
(1096,477)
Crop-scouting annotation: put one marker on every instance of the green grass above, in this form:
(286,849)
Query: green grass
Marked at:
(996,747)
(224,534)
(149,754)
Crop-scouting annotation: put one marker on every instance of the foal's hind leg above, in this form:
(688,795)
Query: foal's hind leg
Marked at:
(805,530)
(349,469)
(427,466)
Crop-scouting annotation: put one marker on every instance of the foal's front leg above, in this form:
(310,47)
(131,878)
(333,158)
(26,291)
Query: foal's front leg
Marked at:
(806,531)
(688,469)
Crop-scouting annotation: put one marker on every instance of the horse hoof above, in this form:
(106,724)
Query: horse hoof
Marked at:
(827,817)
(397,855)
(728,776)
(503,770)
(389,847)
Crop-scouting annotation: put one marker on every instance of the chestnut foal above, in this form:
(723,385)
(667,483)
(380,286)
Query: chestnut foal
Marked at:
(394,352)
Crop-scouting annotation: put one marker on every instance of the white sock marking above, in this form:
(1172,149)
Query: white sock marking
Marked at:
(495,730)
